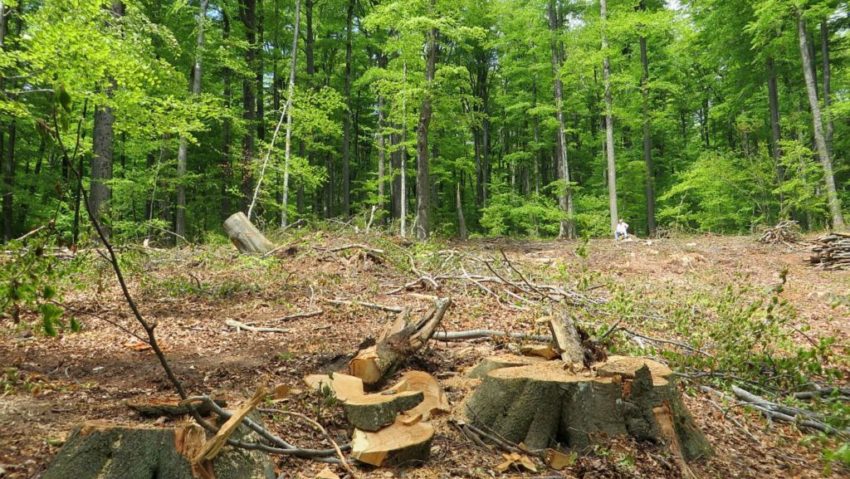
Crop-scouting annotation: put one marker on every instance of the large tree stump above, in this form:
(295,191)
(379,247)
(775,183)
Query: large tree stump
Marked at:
(397,342)
(245,236)
(545,405)
(108,451)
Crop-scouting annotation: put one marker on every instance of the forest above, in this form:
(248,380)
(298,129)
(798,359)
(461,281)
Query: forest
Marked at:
(459,118)
(369,239)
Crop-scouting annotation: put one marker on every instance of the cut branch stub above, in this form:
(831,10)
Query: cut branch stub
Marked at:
(398,444)
(543,405)
(245,236)
(400,340)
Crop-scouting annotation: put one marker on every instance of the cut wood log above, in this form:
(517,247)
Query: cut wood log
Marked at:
(543,405)
(101,450)
(155,408)
(245,236)
(398,342)
(398,444)
(434,400)
(416,394)
(545,351)
(371,412)
(567,339)
(213,446)
(343,386)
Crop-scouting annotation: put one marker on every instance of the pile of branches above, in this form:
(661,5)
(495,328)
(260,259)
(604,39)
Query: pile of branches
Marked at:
(786,232)
(831,252)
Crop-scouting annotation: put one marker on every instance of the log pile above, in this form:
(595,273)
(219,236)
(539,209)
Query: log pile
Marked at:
(831,252)
(785,232)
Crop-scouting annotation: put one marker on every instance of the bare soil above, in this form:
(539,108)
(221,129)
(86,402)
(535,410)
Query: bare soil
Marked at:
(52,384)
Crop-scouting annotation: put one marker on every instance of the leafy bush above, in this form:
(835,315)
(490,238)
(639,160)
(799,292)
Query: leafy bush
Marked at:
(510,213)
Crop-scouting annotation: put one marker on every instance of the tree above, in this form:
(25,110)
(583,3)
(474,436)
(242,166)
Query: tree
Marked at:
(566,196)
(180,213)
(817,120)
(609,119)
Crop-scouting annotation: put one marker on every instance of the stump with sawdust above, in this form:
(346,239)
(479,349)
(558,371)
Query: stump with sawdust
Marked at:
(547,405)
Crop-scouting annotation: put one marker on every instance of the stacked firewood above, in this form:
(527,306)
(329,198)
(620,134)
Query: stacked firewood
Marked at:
(831,252)
(785,232)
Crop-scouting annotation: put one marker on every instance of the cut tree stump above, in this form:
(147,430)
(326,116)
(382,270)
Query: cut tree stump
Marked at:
(399,341)
(434,400)
(544,405)
(245,236)
(396,445)
(501,361)
(99,450)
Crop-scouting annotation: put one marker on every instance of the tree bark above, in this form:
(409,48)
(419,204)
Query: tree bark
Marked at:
(462,232)
(180,213)
(647,142)
(248,15)
(609,120)
(423,180)
(567,227)
(260,71)
(817,120)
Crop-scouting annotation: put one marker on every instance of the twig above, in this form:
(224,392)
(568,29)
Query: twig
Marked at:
(665,341)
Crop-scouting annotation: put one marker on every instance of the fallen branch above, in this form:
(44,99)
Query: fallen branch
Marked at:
(449,336)
(213,446)
(356,246)
(678,344)
(309,314)
(801,418)
(254,329)
(341,302)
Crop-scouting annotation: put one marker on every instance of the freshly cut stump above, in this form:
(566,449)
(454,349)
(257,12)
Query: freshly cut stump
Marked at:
(107,451)
(543,405)
(434,401)
(502,361)
(396,445)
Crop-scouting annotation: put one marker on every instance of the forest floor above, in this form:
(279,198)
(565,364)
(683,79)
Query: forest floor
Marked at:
(51,384)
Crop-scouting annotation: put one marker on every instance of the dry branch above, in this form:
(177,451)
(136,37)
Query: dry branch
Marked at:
(449,336)
(382,307)
(213,446)
(254,329)
(831,252)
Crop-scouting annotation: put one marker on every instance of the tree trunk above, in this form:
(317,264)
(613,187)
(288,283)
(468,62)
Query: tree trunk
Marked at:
(346,126)
(820,141)
(567,229)
(647,142)
(403,165)
(462,233)
(9,184)
(180,213)
(609,120)
(248,15)
(827,84)
(227,127)
(773,101)
(423,180)
(260,72)
(382,153)
(284,213)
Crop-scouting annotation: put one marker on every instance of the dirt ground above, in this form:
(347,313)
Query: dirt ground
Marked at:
(52,384)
